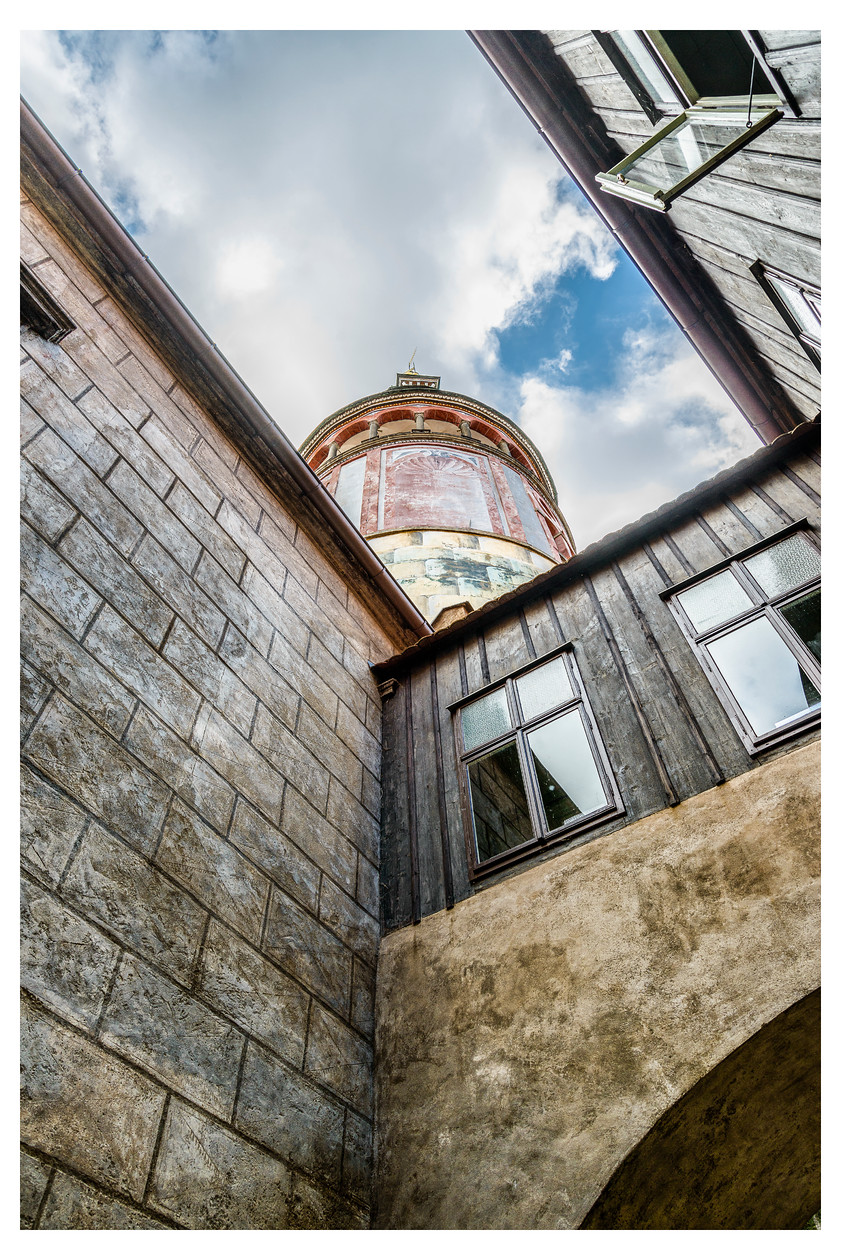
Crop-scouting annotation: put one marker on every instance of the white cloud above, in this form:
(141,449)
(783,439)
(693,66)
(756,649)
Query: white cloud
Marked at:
(660,425)
(324,202)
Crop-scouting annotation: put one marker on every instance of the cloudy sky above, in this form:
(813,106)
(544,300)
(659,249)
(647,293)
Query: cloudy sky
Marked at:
(326,202)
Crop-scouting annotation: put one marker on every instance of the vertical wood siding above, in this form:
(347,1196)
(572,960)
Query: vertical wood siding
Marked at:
(666,733)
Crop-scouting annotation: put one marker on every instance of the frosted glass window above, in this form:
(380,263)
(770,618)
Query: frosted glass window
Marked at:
(717,600)
(485,719)
(498,800)
(543,689)
(566,772)
(763,675)
(785,565)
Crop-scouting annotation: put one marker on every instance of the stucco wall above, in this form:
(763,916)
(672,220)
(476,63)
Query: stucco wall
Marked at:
(201,760)
(529,1038)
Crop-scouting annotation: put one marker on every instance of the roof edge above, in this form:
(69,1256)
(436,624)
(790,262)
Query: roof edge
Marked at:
(75,198)
(612,545)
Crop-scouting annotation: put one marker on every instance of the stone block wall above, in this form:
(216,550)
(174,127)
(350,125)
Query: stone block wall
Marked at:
(200,787)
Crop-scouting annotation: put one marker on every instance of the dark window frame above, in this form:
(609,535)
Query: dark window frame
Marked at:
(762,607)
(761,272)
(39,310)
(544,837)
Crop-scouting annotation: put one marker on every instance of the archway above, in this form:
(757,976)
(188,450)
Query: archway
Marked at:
(739,1150)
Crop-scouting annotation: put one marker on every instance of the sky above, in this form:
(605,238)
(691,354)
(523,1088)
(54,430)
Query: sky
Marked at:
(327,202)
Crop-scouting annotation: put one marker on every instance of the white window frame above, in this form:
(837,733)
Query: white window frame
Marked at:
(756,112)
(779,286)
(762,606)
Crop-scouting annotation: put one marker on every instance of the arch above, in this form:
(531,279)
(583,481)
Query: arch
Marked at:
(739,1150)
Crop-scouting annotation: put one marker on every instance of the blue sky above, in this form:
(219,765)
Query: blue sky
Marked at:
(324,202)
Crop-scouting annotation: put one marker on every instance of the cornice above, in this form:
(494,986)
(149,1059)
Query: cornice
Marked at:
(429,397)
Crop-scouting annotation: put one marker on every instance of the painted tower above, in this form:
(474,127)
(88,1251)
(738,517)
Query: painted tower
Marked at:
(451,495)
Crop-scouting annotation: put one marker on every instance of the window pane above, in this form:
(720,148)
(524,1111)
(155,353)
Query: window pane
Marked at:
(714,601)
(643,64)
(543,689)
(695,141)
(498,799)
(805,309)
(804,617)
(763,675)
(485,719)
(566,772)
(784,565)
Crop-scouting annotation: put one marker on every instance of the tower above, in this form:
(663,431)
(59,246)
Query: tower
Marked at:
(451,495)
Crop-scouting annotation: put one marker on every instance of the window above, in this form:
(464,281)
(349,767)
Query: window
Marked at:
(535,768)
(755,625)
(798,303)
(715,89)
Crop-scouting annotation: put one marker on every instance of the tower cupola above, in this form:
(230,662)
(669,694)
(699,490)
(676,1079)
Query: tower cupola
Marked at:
(452,496)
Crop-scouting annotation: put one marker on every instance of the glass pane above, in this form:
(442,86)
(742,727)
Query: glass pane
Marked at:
(786,564)
(645,67)
(804,617)
(543,689)
(716,600)
(805,309)
(566,772)
(485,719)
(498,798)
(691,144)
(763,675)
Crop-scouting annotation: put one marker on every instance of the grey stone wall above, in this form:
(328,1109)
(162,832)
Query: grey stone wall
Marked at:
(201,760)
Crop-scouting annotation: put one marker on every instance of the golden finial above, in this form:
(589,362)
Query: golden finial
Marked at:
(411,367)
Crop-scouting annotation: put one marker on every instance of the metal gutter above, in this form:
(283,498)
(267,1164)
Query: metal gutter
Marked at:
(611,547)
(538,85)
(70,186)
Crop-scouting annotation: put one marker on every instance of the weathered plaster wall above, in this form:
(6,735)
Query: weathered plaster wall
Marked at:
(528,1039)
(200,782)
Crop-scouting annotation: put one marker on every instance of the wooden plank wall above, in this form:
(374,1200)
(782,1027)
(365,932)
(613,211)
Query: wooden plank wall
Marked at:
(762,204)
(666,733)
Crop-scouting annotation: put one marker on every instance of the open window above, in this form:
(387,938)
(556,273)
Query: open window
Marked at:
(535,768)
(798,303)
(755,625)
(715,91)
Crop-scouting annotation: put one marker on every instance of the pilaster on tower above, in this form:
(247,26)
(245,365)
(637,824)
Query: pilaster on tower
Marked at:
(452,496)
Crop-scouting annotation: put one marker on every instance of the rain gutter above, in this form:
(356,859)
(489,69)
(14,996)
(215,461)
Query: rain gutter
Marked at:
(68,184)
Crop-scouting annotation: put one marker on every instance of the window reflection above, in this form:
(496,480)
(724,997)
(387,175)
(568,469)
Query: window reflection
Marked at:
(804,617)
(498,798)
(684,150)
(566,772)
(763,675)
